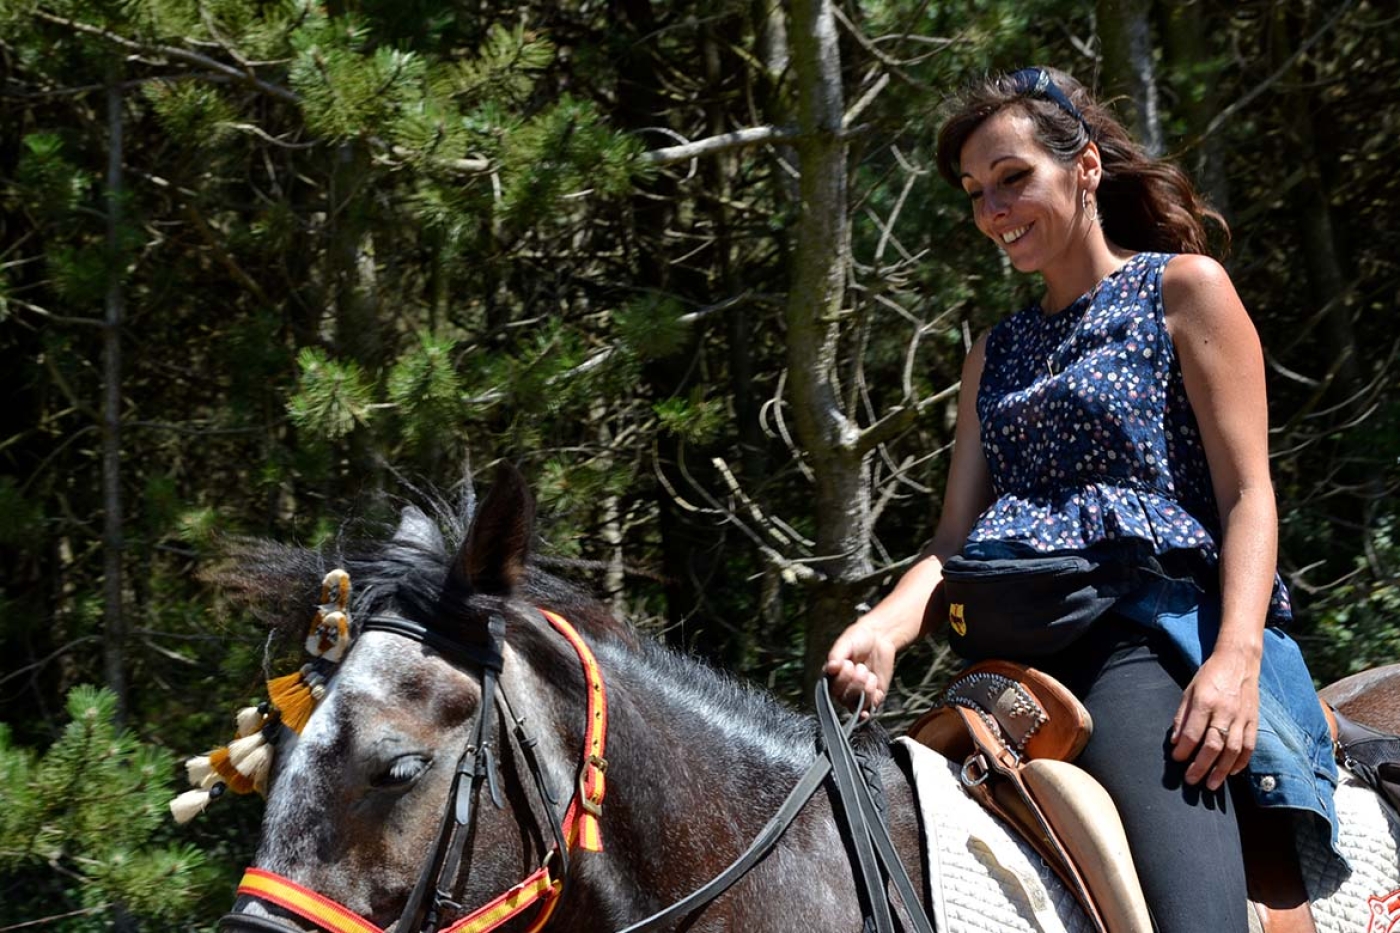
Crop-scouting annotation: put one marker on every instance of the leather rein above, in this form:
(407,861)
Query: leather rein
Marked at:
(876,857)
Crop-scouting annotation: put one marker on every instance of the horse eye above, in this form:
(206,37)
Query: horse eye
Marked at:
(402,771)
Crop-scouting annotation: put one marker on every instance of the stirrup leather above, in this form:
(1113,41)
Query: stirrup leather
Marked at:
(1016,730)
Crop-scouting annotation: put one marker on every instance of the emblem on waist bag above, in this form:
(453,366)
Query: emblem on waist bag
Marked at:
(1385,913)
(955,618)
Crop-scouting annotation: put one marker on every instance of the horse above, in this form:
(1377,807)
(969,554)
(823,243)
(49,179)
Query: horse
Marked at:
(696,763)
(359,822)
(1371,697)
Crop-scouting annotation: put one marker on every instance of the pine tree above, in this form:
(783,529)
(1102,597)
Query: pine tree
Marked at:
(84,827)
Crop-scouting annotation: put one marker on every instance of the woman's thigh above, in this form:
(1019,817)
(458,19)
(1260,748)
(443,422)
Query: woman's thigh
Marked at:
(1184,839)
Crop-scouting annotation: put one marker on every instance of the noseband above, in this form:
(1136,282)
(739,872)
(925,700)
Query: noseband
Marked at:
(432,895)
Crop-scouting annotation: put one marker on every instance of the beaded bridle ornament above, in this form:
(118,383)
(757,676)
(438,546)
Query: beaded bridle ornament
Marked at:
(244,764)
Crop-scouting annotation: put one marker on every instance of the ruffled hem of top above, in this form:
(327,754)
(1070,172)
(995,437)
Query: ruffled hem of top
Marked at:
(1077,518)
(1080,518)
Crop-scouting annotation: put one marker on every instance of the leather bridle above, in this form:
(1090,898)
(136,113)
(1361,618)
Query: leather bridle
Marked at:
(431,898)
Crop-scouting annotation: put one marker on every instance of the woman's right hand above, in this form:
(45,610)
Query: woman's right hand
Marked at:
(861,660)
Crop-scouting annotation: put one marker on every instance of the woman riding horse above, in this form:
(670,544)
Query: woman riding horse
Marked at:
(1121,418)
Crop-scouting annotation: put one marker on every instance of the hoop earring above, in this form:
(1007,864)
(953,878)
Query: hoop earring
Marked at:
(1084,199)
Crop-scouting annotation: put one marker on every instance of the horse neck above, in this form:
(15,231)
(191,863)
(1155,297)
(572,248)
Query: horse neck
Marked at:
(697,766)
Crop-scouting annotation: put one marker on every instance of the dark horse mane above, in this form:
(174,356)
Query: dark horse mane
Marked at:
(406,570)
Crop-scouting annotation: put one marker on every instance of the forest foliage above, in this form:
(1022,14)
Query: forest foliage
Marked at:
(272,267)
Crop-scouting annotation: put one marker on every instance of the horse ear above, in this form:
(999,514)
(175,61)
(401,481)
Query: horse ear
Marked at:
(493,558)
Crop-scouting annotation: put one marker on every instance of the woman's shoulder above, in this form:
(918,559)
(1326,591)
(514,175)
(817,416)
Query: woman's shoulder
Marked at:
(1190,270)
(1195,285)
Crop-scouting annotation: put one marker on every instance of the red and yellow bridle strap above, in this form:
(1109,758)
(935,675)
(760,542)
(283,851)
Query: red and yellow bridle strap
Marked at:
(537,887)
(290,896)
(581,820)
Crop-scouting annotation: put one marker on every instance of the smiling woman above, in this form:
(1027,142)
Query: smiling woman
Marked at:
(1121,420)
(1031,207)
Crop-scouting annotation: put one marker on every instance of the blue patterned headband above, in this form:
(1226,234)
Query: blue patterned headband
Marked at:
(1035,82)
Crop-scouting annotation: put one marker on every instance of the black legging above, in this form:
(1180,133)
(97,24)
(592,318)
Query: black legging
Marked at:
(1185,840)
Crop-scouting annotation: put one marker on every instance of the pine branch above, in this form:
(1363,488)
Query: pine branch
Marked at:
(174,53)
(602,356)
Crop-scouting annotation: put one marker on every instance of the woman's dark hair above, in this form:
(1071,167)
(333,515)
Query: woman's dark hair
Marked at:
(1147,204)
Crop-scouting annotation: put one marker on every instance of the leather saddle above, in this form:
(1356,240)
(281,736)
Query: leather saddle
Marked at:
(1017,731)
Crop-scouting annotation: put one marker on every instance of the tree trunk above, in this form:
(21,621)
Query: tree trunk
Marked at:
(1125,32)
(358,333)
(114,631)
(813,317)
(113,542)
(1328,285)
(1194,69)
(1312,204)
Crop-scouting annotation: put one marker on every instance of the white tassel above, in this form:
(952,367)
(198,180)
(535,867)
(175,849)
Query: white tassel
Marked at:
(250,719)
(257,765)
(189,805)
(192,803)
(199,771)
(239,749)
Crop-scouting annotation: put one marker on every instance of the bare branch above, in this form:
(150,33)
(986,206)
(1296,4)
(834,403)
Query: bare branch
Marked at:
(792,571)
(900,420)
(751,136)
(51,316)
(56,653)
(783,533)
(1278,73)
(866,100)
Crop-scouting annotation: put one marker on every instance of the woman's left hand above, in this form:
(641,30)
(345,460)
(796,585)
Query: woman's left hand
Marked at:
(1217,724)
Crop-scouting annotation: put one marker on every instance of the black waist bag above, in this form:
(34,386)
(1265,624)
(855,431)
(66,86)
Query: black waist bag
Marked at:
(1022,608)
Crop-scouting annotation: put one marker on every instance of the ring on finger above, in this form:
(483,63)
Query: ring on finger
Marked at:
(1222,730)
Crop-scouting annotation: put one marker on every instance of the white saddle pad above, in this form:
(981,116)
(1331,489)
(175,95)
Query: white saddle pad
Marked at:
(985,879)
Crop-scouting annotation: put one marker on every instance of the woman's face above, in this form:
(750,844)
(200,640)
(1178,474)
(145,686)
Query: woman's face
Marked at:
(1026,201)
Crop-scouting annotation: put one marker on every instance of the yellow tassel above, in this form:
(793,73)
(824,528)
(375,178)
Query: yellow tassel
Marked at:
(291,694)
(222,763)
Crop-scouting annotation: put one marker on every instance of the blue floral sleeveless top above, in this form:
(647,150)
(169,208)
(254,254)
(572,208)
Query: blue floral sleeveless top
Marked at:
(1088,433)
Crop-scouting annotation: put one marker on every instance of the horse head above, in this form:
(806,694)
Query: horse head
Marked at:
(390,805)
